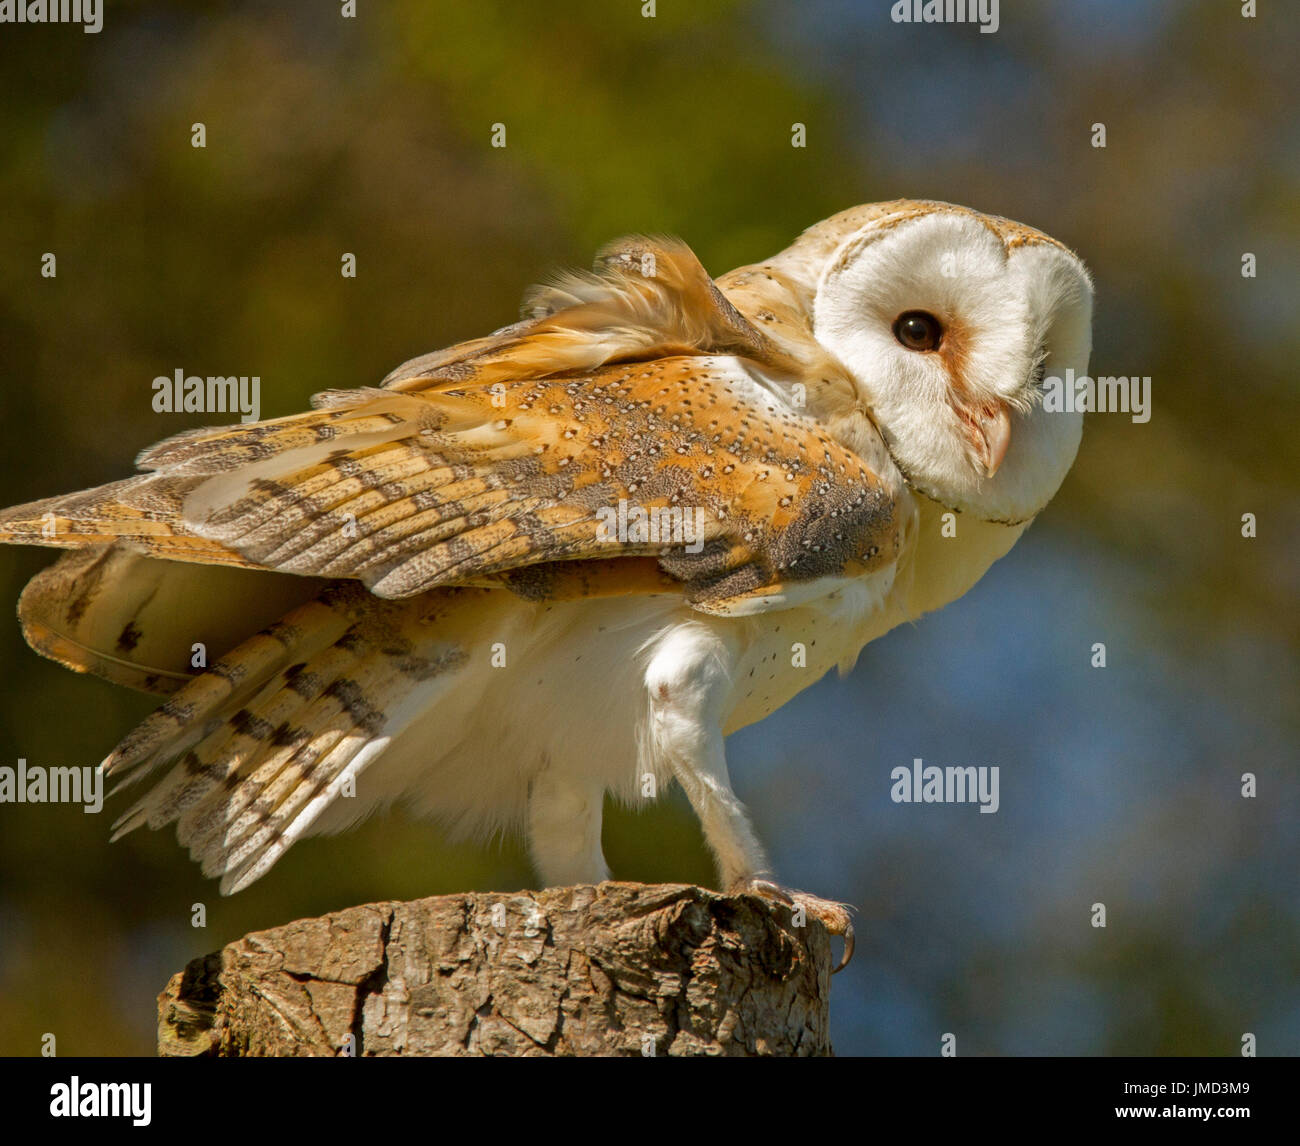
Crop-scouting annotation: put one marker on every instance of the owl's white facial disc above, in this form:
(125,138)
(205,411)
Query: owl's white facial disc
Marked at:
(962,412)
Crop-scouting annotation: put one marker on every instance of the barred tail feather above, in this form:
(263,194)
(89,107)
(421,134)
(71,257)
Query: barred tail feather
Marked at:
(265,741)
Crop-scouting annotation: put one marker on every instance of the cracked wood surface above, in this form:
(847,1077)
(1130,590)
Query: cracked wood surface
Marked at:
(614,969)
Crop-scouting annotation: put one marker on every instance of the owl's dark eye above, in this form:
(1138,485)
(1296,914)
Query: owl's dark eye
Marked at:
(918,330)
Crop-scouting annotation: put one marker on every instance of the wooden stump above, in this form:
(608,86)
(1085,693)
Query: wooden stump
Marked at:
(614,969)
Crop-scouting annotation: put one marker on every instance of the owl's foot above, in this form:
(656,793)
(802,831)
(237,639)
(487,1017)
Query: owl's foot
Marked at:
(833,916)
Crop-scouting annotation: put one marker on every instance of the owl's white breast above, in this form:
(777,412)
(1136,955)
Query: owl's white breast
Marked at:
(945,567)
(783,653)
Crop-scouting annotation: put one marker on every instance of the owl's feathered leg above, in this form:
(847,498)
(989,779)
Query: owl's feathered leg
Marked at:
(564,817)
(688,681)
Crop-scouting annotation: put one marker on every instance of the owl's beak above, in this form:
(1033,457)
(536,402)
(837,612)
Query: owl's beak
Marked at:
(995,436)
(988,428)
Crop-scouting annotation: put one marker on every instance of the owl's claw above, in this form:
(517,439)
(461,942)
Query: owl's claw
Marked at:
(833,916)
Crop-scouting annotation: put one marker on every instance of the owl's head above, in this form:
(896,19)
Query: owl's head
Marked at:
(948,320)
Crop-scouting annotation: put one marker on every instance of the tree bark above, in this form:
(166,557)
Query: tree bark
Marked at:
(614,969)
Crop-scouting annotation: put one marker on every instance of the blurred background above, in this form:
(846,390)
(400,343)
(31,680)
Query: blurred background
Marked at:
(372,135)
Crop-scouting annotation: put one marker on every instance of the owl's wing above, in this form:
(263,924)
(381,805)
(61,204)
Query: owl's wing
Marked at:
(631,418)
(647,298)
(145,623)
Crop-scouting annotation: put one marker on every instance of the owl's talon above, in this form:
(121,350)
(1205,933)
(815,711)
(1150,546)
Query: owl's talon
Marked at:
(833,916)
(764,889)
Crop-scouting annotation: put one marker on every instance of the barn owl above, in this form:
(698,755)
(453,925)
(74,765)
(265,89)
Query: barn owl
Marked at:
(565,560)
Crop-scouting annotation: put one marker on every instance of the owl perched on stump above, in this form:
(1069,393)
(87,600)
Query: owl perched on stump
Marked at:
(565,560)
